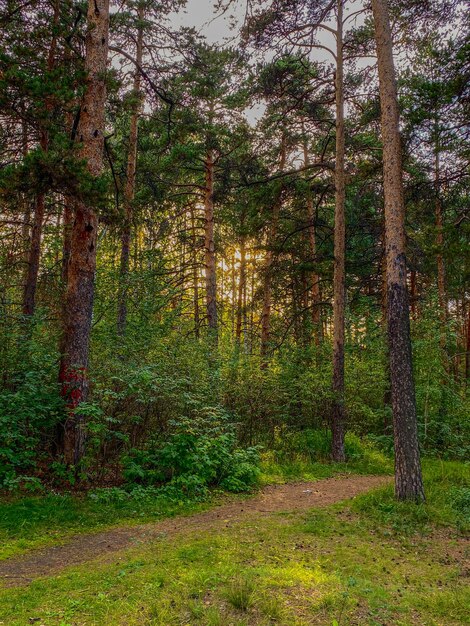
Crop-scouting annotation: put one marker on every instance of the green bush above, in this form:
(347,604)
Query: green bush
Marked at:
(28,414)
(197,453)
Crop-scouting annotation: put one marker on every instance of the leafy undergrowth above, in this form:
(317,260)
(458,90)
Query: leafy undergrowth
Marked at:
(305,455)
(37,521)
(351,564)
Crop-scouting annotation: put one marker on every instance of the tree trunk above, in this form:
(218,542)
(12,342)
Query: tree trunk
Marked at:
(195,273)
(209,247)
(467,347)
(268,267)
(408,478)
(34,256)
(441,281)
(129,189)
(314,277)
(241,306)
(413,293)
(339,289)
(73,374)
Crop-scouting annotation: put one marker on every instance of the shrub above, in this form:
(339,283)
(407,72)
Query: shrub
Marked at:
(28,414)
(195,454)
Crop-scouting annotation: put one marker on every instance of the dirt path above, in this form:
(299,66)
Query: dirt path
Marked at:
(20,571)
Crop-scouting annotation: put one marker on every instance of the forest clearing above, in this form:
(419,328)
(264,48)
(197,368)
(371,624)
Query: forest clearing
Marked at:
(234,312)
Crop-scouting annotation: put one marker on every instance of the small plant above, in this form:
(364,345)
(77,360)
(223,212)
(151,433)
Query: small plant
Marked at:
(240,594)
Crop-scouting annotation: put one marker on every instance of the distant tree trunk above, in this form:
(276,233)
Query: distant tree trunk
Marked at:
(408,478)
(339,289)
(441,281)
(129,189)
(195,273)
(241,306)
(209,247)
(467,347)
(268,267)
(67,237)
(29,294)
(26,228)
(73,374)
(413,293)
(314,277)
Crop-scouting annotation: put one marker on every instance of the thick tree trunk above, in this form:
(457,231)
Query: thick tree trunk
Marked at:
(408,478)
(268,267)
(339,288)
(73,374)
(209,247)
(129,189)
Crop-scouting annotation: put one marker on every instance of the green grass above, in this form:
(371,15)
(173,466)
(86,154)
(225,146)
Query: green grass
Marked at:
(350,564)
(305,455)
(37,521)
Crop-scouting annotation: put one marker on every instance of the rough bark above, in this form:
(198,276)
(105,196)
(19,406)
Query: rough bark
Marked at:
(209,247)
(339,288)
(408,478)
(129,188)
(268,267)
(78,309)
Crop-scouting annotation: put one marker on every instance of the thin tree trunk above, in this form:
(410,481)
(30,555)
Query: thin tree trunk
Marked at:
(73,374)
(29,294)
(241,312)
(441,281)
(26,228)
(314,277)
(467,347)
(339,289)
(129,189)
(408,477)
(195,273)
(268,267)
(413,293)
(209,247)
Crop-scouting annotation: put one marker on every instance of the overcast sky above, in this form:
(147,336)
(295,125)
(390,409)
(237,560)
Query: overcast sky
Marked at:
(201,15)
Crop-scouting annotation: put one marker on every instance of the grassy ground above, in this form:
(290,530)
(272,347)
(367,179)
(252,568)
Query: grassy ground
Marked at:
(368,562)
(38,521)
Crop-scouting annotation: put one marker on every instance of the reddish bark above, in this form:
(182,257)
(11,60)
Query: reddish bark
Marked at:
(73,374)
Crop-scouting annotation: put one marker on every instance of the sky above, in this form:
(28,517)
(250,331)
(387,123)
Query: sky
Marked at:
(201,13)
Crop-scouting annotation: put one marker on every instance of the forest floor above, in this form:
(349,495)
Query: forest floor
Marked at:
(299,496)
(295,554)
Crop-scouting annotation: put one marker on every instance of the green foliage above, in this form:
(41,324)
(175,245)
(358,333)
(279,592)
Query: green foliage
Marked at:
(196,454)
(30,407)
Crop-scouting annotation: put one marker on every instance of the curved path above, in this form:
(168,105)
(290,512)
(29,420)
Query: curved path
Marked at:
(297,496)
